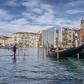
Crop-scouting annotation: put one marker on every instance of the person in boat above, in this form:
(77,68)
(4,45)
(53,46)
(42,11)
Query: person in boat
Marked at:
(14,50)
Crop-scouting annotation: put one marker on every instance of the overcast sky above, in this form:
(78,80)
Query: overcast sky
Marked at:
(36,15)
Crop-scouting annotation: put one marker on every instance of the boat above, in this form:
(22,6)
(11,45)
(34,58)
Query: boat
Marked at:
(71,52)
(81,54)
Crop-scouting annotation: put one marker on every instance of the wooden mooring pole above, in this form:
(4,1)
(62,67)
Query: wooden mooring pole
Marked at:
(78,56)
(57,51)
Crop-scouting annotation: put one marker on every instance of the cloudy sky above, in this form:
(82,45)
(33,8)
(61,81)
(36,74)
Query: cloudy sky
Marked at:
(36,15)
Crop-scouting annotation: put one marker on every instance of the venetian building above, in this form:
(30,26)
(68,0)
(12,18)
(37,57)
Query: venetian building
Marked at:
(26,39)
(70,38)
(82,31)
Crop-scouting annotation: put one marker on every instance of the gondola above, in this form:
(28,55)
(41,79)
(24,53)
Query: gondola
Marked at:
(71,52)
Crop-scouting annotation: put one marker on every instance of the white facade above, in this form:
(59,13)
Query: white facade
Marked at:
(59,37)
(55,37)
(49,37)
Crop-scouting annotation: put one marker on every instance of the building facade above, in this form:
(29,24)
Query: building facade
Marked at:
(2,40)
(55,37)
(26,39)
(70,37)
(8,41)
(82,31)
(49,37)
(62,37)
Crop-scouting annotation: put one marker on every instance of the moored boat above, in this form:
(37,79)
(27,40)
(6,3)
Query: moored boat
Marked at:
(71,52)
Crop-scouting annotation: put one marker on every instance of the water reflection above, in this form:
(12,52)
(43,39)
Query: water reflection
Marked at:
(33,67)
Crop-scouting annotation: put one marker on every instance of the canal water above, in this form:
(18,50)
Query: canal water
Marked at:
(33,66)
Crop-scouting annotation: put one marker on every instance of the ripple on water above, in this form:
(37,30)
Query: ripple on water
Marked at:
(32,69)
